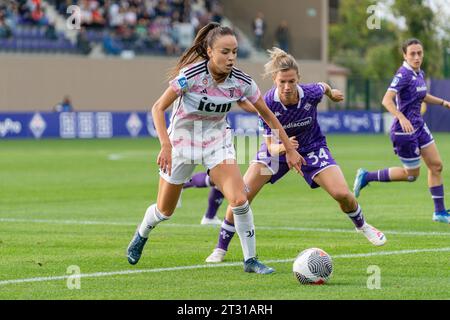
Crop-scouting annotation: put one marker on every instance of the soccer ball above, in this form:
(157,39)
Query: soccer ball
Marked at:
(313,266)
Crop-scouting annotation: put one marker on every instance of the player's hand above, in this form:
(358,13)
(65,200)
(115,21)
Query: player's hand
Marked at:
(295,160)
(405,124)
(336,95)
(165,159)
(294,142)
(446,104)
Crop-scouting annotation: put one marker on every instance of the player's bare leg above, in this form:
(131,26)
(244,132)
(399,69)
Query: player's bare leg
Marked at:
(227,178)
(332,181)
(168,195)
(432,159)
(255,178)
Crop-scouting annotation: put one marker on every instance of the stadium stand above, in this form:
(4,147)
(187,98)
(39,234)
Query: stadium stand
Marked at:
(26,27)
(155,27)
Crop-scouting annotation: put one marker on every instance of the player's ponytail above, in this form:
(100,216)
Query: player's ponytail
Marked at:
(205,38)
(279,61)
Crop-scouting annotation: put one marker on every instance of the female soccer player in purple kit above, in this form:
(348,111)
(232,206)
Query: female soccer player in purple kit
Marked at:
(295,105)
(206,85)
(410,135)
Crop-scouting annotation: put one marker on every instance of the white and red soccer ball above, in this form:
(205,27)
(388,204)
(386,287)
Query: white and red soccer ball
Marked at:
(313,266)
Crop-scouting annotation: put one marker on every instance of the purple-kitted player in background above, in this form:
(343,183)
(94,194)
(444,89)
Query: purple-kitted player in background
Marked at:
(215,197)
(410,135)
(295,106)
(203,180)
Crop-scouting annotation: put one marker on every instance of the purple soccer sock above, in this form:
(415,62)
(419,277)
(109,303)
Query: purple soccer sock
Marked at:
(357,217)
(227,232)
(198,180)
(379,175)
(437,193)
(215,199)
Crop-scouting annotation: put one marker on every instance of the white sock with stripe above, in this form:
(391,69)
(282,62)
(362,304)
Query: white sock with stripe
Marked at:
(152,217)
(245,228)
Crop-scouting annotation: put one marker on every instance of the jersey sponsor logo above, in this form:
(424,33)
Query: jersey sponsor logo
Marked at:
(395,81)
(422,88)
(204,105)
(299,124)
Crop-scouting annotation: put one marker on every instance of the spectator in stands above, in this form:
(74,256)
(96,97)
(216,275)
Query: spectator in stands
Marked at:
(65,105)
(50,32)
(259,29)
(282,36)
(110,44)
(83,44)
(217,13)
(162,9)
(38,16)
(5,30)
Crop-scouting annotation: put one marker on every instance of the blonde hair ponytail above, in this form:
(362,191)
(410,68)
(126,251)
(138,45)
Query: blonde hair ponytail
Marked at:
(279,61)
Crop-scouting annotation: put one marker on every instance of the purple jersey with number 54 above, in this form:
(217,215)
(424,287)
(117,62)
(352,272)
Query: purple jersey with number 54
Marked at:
(298,120)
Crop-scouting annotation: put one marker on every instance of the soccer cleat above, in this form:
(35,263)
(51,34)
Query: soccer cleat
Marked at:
(360,181)
(442,216)
(253,265)
(375,236)
(217,256)
(213,221)
(135,248)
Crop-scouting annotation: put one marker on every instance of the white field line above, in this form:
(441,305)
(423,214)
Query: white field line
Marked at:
(208,266)
(179,225)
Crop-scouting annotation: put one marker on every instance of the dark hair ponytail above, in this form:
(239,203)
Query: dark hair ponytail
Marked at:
(205,38)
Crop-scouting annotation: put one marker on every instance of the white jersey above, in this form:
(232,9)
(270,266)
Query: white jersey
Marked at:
(198,119)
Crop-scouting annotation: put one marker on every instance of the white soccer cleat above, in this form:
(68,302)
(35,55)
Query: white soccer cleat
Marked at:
(213,221)
(217,256)
(375,236)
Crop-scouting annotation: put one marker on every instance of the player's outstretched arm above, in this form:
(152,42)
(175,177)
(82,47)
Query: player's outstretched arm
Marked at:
(161,105)
(435,100)
(333,94)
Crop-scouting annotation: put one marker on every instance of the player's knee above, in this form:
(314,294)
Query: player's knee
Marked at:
(237,200)
(341,195)
(437,167)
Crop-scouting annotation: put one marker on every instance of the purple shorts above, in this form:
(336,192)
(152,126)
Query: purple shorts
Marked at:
(408,145)
(316,161)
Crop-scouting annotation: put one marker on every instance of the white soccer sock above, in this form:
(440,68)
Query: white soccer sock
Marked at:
(245,228)
(151,219)
(208,181)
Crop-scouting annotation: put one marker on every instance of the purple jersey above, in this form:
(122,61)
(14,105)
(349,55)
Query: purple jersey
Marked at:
(298,120)
(411,89)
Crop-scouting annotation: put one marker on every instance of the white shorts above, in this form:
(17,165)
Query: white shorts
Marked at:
(183,166)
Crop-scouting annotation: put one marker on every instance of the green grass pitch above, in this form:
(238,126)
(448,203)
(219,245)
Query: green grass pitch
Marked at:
(77,203)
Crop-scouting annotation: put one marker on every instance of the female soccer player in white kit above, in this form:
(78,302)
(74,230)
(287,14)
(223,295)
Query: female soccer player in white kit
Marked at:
(206,86)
